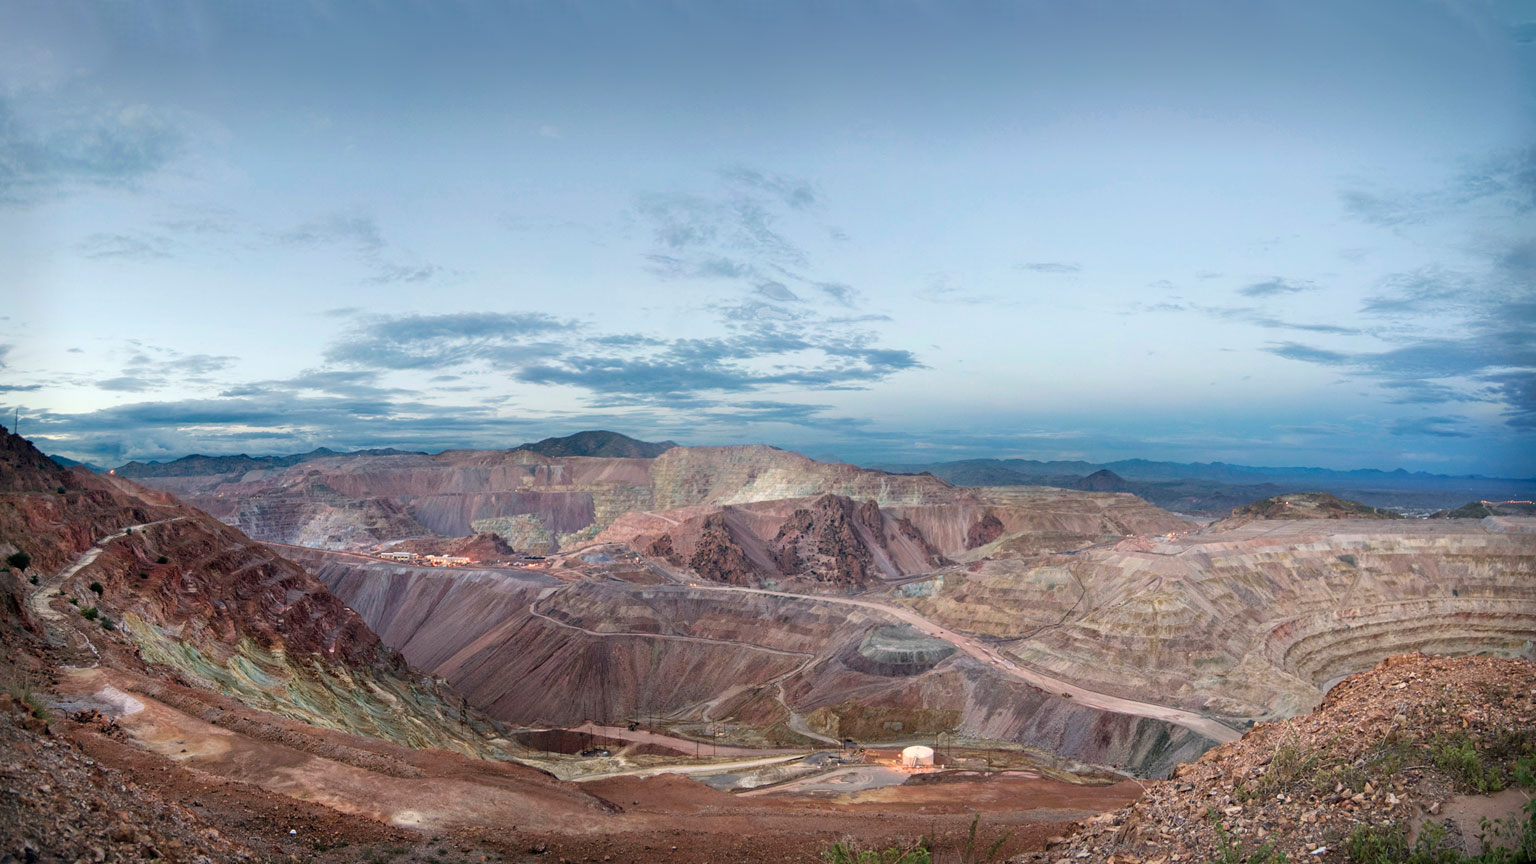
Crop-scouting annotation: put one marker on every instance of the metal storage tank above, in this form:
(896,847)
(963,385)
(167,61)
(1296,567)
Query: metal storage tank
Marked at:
(917,756)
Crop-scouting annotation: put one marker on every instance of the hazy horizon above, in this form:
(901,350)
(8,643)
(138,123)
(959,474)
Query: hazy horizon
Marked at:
(1277,234)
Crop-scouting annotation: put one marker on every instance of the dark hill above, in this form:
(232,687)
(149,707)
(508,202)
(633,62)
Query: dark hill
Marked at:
(1102,481)
(1311,505)
(610,445)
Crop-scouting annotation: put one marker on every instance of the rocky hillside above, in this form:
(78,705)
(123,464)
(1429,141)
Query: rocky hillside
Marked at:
(157,588)
(1310,505)
(1410,756)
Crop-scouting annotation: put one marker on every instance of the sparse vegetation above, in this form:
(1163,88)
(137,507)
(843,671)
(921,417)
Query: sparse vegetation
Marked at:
(1458,756)
(20,560)
(90,613)
(1230,851)
(1503,843)
(61,490)
(846,852)
(108,623)
(23,693)
(162,560)
(96,586)
(971,853)
(143,575)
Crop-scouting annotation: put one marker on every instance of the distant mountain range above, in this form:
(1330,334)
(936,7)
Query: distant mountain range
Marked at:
(1218,487)
(593,443)
(1187,487)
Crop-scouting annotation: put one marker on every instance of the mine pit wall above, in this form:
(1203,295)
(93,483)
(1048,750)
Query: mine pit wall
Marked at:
(1259,625)
(474,629)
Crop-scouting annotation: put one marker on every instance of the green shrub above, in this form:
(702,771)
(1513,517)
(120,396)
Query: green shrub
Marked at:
(1377,844)
(20,560)
(1458,756)
(61,490)
(90,614)
(108,623)
(162,560)
(96,586)
(143,575)
(847,853)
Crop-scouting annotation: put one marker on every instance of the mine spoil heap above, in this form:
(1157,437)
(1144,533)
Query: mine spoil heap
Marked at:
(1412,748)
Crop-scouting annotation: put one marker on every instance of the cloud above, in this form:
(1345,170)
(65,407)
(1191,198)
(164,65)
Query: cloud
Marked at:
(4,351)
(443,341)
(351,383)
(1276,287)
(123,246)
(1055,267)
(1297,351)
(796,193)
(1505,180)
(18,388)
(113,148)
(631,368)
(747,232)
(776,291)
(1425,290)
(1435,427)
(389,274)
(1259,318)
(129,384)
(356,230)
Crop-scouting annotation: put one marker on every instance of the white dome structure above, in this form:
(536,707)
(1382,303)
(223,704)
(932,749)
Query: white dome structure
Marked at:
(917,756)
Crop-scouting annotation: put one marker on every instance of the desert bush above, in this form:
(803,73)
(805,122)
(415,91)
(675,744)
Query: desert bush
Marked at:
(20,560)
(162,560)
(846,852)
(96,586)
(90,613)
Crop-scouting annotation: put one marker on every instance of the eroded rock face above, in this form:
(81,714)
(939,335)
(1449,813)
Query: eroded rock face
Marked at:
(717,557)
(821,540)
(984,530)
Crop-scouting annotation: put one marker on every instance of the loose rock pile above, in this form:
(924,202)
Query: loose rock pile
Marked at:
(1388,748)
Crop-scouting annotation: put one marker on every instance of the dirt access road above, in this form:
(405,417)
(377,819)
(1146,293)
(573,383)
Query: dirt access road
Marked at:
(1216,731)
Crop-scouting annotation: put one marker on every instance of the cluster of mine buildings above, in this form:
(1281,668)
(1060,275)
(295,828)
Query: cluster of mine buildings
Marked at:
(428,560)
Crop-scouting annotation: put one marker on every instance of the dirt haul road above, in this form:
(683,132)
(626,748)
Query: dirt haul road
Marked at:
(1218,732)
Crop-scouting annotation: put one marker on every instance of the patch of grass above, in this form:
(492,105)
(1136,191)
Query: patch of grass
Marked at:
(1288,764)
(34,700)
(1503,843)
(1458,756)
(1377,844)
(847,852)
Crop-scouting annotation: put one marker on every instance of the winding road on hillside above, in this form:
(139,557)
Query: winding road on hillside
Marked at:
(52,619)
(1216,731)
(1198,723)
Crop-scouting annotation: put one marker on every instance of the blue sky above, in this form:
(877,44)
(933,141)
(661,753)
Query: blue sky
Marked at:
(1278,233)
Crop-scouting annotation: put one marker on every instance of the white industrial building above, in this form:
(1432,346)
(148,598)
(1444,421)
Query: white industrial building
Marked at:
(917,756)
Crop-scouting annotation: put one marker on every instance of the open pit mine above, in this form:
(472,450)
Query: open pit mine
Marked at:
(596,646)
